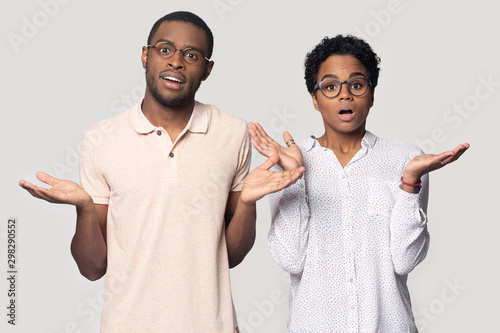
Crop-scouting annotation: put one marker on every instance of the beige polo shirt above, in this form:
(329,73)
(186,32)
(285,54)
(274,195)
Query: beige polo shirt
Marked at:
(167,258)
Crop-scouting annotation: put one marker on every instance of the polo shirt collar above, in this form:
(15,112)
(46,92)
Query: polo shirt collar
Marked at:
(198,123)
(199,119)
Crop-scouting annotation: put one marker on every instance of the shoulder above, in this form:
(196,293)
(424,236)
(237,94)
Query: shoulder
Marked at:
(107,131)
(110,125)
(221,115)
(223,121)
(307,144)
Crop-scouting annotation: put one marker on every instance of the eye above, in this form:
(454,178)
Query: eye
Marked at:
(192,56)
(330,86)
(164,50)
(357,84)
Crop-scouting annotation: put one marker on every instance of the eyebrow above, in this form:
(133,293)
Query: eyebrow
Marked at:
(333,76)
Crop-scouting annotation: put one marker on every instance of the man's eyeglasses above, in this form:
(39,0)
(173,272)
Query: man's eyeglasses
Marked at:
(167,50)
(330,88)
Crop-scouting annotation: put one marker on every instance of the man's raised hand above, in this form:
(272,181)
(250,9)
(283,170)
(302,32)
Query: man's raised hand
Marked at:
(62,191)
(260,181)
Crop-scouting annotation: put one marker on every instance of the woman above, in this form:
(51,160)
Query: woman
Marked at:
(355,225)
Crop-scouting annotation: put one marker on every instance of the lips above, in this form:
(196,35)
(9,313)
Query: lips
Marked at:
(346,114)
(173,80)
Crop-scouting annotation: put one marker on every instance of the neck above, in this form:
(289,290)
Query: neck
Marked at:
(172,119)
(342,142)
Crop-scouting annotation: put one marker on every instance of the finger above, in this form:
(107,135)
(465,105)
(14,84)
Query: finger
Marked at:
(272,160)
(288,139)
(288,178)
(257,136)
(297,173)
(259,148)
(442,158)
(457,153)
(287,136)
(32,191)
(48,195)
(252,130)
(461,151)
(461,148)
(40,194)
(46,178)
(27,186)
(24,184)
(262,133)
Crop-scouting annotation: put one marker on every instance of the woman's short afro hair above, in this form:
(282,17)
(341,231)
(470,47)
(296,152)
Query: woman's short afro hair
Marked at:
(340,45)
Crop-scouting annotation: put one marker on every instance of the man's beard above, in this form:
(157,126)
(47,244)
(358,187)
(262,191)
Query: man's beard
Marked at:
(152,86)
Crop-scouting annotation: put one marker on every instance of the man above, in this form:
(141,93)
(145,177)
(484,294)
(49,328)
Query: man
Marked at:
(165,211)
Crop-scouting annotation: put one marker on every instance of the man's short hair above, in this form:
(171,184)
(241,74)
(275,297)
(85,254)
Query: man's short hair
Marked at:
(341,45)
(188,17)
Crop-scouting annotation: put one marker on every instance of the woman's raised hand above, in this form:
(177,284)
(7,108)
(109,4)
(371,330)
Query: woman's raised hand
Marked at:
(290,157)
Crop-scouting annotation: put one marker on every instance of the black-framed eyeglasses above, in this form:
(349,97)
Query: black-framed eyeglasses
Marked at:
(331,88)
(167,50)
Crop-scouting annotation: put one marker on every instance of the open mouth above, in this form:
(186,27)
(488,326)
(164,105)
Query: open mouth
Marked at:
(173,79)
(346,112)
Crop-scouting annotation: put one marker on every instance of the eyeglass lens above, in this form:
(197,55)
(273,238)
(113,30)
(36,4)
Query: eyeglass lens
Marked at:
(356,86)
(167,50)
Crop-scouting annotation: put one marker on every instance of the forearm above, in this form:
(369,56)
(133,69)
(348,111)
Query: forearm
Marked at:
(88,246)
(410,178)
(240,233)
(409,235)
(289,233)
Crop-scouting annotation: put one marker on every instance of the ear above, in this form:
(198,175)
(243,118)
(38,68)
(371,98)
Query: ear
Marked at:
(315,101)
(208,70)
(144,57)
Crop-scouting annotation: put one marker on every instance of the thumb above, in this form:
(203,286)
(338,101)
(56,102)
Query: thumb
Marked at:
(272,160)
(46,178)
(287,137)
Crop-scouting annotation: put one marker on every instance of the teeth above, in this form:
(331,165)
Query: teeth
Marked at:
(172,79)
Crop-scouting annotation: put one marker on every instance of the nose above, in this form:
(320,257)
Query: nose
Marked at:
(345,93)
(176,60)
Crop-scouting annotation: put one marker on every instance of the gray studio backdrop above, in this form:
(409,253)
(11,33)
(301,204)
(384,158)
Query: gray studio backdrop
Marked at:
(67,64)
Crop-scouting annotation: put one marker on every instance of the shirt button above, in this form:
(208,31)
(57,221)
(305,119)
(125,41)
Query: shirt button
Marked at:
(158,132)
(351,280)
(171,154)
